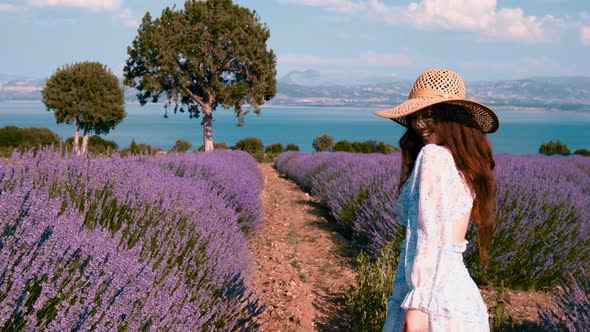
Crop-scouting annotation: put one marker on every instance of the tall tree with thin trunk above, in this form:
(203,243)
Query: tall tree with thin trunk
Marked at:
(211,53)
(87,94)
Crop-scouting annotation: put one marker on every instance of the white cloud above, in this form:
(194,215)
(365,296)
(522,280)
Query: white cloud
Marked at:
(338,5)
(109,6)
(369,58)
(127,18)
(481,16)
(7,8)
(92,5)
(585,35)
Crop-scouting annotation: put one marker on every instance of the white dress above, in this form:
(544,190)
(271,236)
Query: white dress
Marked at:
(431,275)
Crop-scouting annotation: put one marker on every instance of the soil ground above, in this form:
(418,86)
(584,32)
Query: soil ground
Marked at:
(303,266)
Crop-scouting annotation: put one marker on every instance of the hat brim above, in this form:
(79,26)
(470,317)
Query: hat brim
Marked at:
(485,118)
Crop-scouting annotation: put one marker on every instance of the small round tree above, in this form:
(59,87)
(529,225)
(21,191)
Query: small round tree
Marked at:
(181,146)
(292,147)
(211,53)
(324,142)
(551,147)
(87,94)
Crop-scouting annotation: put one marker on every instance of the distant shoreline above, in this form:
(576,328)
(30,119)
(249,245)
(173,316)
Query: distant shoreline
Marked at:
(502,108)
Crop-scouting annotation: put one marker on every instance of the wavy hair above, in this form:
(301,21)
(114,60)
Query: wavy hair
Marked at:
(472,153)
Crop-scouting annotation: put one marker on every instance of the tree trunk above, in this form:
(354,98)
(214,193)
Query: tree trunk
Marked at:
(77,139)
(207,124)
(85,141)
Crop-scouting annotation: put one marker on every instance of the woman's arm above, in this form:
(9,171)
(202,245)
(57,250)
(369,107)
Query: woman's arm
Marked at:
(434,176)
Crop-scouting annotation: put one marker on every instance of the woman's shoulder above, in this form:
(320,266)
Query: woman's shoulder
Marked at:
(435,153)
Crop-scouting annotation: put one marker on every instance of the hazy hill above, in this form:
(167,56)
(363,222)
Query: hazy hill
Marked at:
(312,88)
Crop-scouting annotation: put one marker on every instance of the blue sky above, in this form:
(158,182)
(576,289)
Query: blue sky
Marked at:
(346,40)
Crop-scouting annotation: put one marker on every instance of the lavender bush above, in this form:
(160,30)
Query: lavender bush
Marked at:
(573,307)
(543,219)
(125,243)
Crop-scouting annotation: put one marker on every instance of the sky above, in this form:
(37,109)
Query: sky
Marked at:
(345,40)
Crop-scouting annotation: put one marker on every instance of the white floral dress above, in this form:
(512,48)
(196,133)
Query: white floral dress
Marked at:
(431,275)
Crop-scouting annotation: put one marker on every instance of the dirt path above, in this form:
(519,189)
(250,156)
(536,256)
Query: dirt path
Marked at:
(302,266)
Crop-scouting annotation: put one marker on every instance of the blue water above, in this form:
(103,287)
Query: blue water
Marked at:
(520,132)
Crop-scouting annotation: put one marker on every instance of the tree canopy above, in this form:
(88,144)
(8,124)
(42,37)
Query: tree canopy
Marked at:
(87,94)
(211,53)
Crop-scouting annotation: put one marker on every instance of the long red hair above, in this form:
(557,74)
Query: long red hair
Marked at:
(472,153)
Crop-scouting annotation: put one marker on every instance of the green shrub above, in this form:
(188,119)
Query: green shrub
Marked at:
(12,137)
(368,298)
(387,148)
(216,146)
(26,138)
(323,143)
(253,146)
(140,148)
(292,147)
(551,147)
(343,146)
(96,145)
(583,152)
(369,146)
(275,148)
(181,146)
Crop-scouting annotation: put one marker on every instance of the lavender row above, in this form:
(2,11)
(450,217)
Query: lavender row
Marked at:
(234,175)
(543,220)
(124,243)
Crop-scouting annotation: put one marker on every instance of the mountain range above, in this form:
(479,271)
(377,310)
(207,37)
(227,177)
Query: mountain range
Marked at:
(312,88)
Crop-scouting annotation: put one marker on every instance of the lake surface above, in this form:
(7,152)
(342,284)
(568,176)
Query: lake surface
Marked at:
(520,132)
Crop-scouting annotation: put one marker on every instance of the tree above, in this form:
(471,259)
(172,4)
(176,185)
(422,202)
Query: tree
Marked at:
(551,147)
(275,148)
(323,143)
(252,145)
(181,146)
(87,94)
(343,145)
(292,147)
(212,53)
(97,145)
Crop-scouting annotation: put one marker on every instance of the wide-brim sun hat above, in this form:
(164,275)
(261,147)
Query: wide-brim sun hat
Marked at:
(442,86)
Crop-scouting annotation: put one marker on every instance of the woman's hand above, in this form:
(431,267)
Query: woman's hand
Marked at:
(415,321)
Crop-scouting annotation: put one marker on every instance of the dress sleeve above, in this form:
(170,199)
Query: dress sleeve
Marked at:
(429,268)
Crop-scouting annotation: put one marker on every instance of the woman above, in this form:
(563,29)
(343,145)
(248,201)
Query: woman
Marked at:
(446,180)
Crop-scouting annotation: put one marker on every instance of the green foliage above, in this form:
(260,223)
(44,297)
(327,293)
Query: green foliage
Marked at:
(181,145)
(292,147)
(253,146)
(323,143)
(499,318)
(369,146)
(85,93)
(583,152)
(554,148)
(343,146)
(216,145)
(275,148)
(141,148)
(96,145)
(12,137)
(368,298)
(208,54)
(27,138)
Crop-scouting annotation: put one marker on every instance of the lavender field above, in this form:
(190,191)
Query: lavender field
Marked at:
(543,220)
(137,243)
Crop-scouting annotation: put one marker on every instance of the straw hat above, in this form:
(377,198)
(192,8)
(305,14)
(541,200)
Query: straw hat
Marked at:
(441,86)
